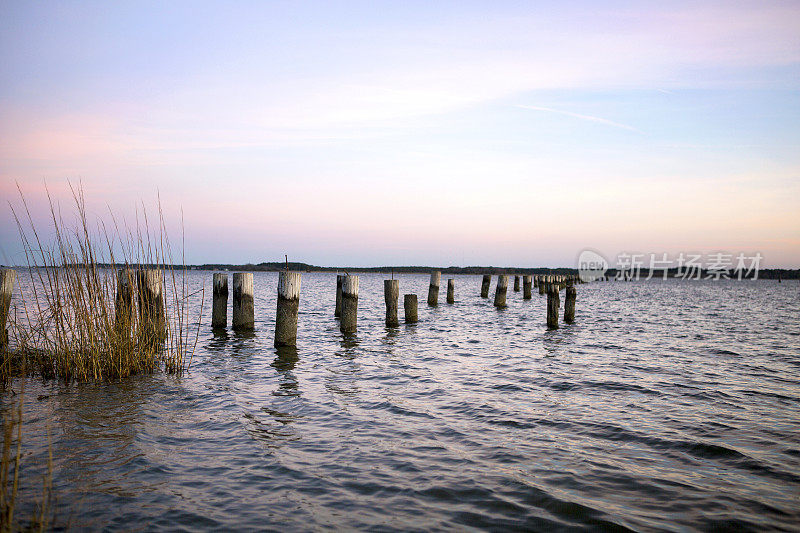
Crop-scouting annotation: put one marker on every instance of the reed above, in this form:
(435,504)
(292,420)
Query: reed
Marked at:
(74,322)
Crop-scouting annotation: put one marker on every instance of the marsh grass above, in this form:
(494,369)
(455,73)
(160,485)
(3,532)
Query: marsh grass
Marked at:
(83,316)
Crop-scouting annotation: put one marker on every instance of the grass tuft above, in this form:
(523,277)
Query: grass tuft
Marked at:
(100,302)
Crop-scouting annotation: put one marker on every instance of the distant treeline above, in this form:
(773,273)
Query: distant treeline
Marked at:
(768,273)
(305,267)
(771,273)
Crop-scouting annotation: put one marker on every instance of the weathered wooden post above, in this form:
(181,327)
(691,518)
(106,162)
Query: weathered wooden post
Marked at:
(542,284)
(219,310)
(349,320)
(123,308)
(487,280)
(243,305)
(527,281)
(451,291)
(152,320)
(339,280)
(553,303)
(7,278)
(516,283)
(433,289)
(391,292)
(288,304)
(569,305)
(410,307)
(500,292)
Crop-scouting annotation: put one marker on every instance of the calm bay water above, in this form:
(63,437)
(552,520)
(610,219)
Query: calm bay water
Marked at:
(668,405)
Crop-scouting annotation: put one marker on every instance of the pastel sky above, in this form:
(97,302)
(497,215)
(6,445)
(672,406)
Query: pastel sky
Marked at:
(435,133)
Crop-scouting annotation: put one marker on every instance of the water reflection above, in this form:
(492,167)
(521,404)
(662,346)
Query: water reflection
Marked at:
(392,337)
(288,388)
(285,360)
(272,435)
(242,343)
(350,344)
(341,376)
(552,340)
(218,340)
(275,429)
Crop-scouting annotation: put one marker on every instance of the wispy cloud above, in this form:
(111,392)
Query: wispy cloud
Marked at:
(590,118)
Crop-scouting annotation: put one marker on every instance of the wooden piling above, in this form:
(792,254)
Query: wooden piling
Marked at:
(516,283)
(243,304)
(500,292)
(527,282)
(433,288)
(349,320)
(451,291)
(542,284)
(391,292)
(219,311)
(338,310)
(152,318)
(553,303)
(123,308)
(288,304)
(7,278)
(487,280)
(569,305)
(410,307)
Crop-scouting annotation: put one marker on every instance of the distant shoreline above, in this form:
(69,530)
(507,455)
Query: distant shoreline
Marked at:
(767,273)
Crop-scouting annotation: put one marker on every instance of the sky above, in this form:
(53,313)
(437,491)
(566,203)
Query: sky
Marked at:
(410,133)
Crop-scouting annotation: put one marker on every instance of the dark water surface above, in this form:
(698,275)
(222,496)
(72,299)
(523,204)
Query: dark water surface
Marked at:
(669,405)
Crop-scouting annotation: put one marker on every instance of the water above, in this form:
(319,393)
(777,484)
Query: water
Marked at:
(668,405)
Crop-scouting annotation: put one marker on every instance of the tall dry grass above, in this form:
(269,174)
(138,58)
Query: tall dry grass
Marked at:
(83,316)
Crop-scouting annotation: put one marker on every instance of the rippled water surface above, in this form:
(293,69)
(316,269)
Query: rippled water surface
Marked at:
(667,405)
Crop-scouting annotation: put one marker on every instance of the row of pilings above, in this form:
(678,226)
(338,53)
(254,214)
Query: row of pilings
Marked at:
(147,285)
(346,306)
(547,284)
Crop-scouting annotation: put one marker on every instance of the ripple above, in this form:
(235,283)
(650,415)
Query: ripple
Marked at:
(668,405)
